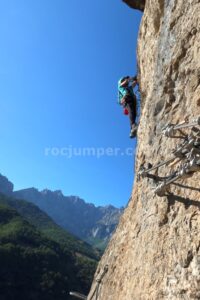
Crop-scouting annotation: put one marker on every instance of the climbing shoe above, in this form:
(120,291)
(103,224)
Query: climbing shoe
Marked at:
(133,132)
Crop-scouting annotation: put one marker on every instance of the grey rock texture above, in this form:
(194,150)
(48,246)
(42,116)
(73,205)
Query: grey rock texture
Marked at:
(155,252)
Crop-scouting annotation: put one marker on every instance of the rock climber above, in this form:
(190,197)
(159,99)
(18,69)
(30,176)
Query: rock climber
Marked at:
(127,99)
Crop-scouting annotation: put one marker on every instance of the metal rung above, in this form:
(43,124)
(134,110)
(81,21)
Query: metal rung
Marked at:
(78,295)
(181,152)
(187,170)
(169,130)
(162,188)
(194,165)
(144,173)
(176,127)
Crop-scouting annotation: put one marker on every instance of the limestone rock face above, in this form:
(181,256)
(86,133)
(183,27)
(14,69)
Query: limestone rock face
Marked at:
(155,252)
(136,4)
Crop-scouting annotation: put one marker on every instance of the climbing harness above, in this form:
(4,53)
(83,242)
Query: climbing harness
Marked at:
(99,281)
(96,290)
(188,153)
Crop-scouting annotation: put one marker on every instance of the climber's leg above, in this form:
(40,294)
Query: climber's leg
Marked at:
(132,109)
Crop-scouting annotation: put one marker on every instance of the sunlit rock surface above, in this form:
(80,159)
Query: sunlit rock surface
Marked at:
(155,252)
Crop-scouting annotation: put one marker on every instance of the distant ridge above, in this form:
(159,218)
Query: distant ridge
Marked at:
(92,224)
(88,222)
(38,259)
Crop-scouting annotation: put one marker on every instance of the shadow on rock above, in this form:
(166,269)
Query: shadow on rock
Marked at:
(192,188)
(186,201)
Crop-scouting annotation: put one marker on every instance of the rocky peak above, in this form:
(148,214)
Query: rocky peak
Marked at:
(90,223)
(49,193)
(77,200)
(6,187)
(32,192)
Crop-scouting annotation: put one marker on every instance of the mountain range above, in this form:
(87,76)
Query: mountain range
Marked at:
(47,233)
(40,260)
(92,224)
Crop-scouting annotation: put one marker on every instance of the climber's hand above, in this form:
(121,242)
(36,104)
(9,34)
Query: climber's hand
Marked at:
(134,83)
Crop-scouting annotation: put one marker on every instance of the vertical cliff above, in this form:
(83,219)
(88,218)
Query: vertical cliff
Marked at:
(155,252)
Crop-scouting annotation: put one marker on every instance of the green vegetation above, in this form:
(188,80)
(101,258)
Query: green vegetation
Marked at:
(40,264)
(98,244)
(46,225)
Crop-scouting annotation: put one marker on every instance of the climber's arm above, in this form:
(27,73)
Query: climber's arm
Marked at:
(133,81)
(124,83)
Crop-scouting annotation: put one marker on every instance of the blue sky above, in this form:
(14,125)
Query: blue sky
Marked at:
(60,63)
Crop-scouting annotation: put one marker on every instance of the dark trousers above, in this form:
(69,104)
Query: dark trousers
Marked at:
(131,105)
